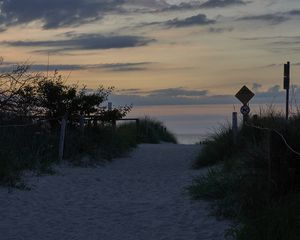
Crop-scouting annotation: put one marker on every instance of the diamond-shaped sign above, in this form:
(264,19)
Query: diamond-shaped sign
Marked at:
(244,95)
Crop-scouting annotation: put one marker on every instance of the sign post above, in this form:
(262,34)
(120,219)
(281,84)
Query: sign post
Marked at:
(286,86)
(245,95)
(234,127)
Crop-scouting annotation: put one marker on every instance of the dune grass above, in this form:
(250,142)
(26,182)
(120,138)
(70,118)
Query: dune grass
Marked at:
(36,149)
(217,148)
(239,187)
(31,148)
(150,131)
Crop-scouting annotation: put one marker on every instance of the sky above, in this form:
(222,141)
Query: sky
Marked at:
(158,52)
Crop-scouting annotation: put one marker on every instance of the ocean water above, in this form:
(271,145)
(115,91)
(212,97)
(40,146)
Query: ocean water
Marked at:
(190,123)
(193,123)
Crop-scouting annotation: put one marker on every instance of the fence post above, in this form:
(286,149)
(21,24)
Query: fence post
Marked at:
(95,121)
(81,123)
(269,157)
(234,127)
(137,125)
(62,138)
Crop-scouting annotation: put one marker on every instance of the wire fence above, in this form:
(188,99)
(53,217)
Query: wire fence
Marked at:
(278,133)
(283,160)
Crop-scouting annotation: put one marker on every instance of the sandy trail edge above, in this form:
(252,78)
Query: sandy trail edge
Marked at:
(140,197)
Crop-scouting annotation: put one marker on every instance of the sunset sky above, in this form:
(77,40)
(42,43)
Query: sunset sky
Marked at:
(158,52)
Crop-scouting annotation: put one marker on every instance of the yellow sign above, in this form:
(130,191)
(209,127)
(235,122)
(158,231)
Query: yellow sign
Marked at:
(244,95)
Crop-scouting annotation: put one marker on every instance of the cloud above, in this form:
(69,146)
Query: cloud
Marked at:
(256,87)
(272,18)
(196,20)
(176,92)
(199,19)
(55,13)
(294,12)
(84,42)
(286,44)
(268,38)
(181,96)
(111,67)
(125,67)
(168,96)
(220,29)
(193,5)
(222,3)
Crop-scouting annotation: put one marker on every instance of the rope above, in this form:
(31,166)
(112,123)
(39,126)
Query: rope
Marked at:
(279,134)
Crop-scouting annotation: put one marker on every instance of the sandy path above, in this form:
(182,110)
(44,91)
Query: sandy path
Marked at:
(136,198)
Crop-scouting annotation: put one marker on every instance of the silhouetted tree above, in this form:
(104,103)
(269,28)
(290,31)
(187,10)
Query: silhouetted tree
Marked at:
(24,93)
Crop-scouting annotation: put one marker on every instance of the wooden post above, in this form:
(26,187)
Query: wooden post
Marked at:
(109,106)
(234,127)
(146,128)
(137,121)
(62,138)
(81,123)
(269,157)
(114,124)
(95,121)
(286,86)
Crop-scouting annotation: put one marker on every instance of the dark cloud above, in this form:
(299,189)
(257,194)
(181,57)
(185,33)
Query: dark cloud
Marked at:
(294,12)
(222,3)
(272,18)
(193,5)
(286,44)
(196,20)
(182,96)
(55,13)
(113,67)
(168,96)
(125,67)
(275,18)
(84,42)
(268,38)
(199,19)
(167,92)
(220,29)
(175,92)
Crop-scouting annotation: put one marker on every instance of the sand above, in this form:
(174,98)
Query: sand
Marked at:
(139,197)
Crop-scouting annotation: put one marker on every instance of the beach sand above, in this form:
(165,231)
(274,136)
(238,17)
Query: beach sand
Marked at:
(139,197)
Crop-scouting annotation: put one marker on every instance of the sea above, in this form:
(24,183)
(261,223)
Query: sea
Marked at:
(192,124)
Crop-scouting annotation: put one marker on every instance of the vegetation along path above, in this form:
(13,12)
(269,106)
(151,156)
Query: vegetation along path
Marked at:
(134,198)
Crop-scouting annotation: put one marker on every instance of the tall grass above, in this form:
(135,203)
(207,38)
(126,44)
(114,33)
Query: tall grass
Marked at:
(25,148)
(34,148)
(98,144)
(150,131)
(217,148)
(239,186)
